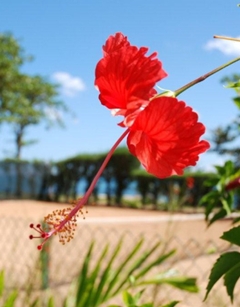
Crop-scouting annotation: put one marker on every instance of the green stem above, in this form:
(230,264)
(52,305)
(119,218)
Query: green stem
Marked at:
(204,77)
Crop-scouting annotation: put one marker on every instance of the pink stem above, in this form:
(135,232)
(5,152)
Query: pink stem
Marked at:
(83,200)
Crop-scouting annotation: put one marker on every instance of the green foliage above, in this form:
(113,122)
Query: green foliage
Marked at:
(223,137)
(227,265)
(6,299)
(234,85)
(24,100)
(12,57)
(51,302)
(133,301)
(236,100)
(232,81)
(183,283)
(171,304)
(219,197)
(100,281)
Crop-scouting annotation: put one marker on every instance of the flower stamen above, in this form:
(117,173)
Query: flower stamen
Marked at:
(41,234)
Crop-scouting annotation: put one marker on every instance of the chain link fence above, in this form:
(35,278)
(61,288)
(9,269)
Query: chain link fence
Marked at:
(20,260)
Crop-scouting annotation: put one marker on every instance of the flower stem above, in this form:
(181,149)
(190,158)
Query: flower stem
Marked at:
(204,77)
(82,201)
(227,38)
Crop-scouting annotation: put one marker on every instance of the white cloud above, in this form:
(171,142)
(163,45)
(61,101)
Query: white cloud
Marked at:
(225,46)
(70,85)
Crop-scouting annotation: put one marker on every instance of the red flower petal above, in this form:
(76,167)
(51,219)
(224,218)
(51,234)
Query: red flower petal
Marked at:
(165,137)
(114,43)
(125,76)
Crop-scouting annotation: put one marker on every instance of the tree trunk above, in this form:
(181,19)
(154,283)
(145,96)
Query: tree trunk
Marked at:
(19,135)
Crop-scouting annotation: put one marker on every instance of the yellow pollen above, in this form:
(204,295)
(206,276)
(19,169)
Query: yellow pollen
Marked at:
(67,231)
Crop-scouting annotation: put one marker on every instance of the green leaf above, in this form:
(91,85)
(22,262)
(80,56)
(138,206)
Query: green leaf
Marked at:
(104,278)
(136,266)
(10,301)
(35,303)
(83,275)
(232,236)
(122,265)
(220,169)
(208,210)
(210,200)
(128,299)
(237,101)
(223,264)
(89,297)
(233,84)
(231,278)
(183,283)
(132,280)
(217,216)
(229,167)
(50,302)
(65,302)
(171,304)
(138,295)
(227,204)
(211,196)
(97,276)
(1,283)
(156,262)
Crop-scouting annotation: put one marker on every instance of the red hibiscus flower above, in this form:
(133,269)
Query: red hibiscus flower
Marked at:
(126,77)
(163,133)
(165,137)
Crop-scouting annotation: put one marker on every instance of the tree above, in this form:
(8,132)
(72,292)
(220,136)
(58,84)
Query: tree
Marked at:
(33,101)
(24,100)
(12,57)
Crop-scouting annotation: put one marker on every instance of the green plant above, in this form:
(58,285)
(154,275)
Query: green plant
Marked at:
(102,279)
(227,265)
(6,299)
(219,201)
(133,301)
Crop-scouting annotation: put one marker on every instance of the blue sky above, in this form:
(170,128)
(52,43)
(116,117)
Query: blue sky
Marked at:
(65,38)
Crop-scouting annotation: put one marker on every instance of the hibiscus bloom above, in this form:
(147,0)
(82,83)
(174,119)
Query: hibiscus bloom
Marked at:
(162,132)
(165,134)
(125,77)
(165,137)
